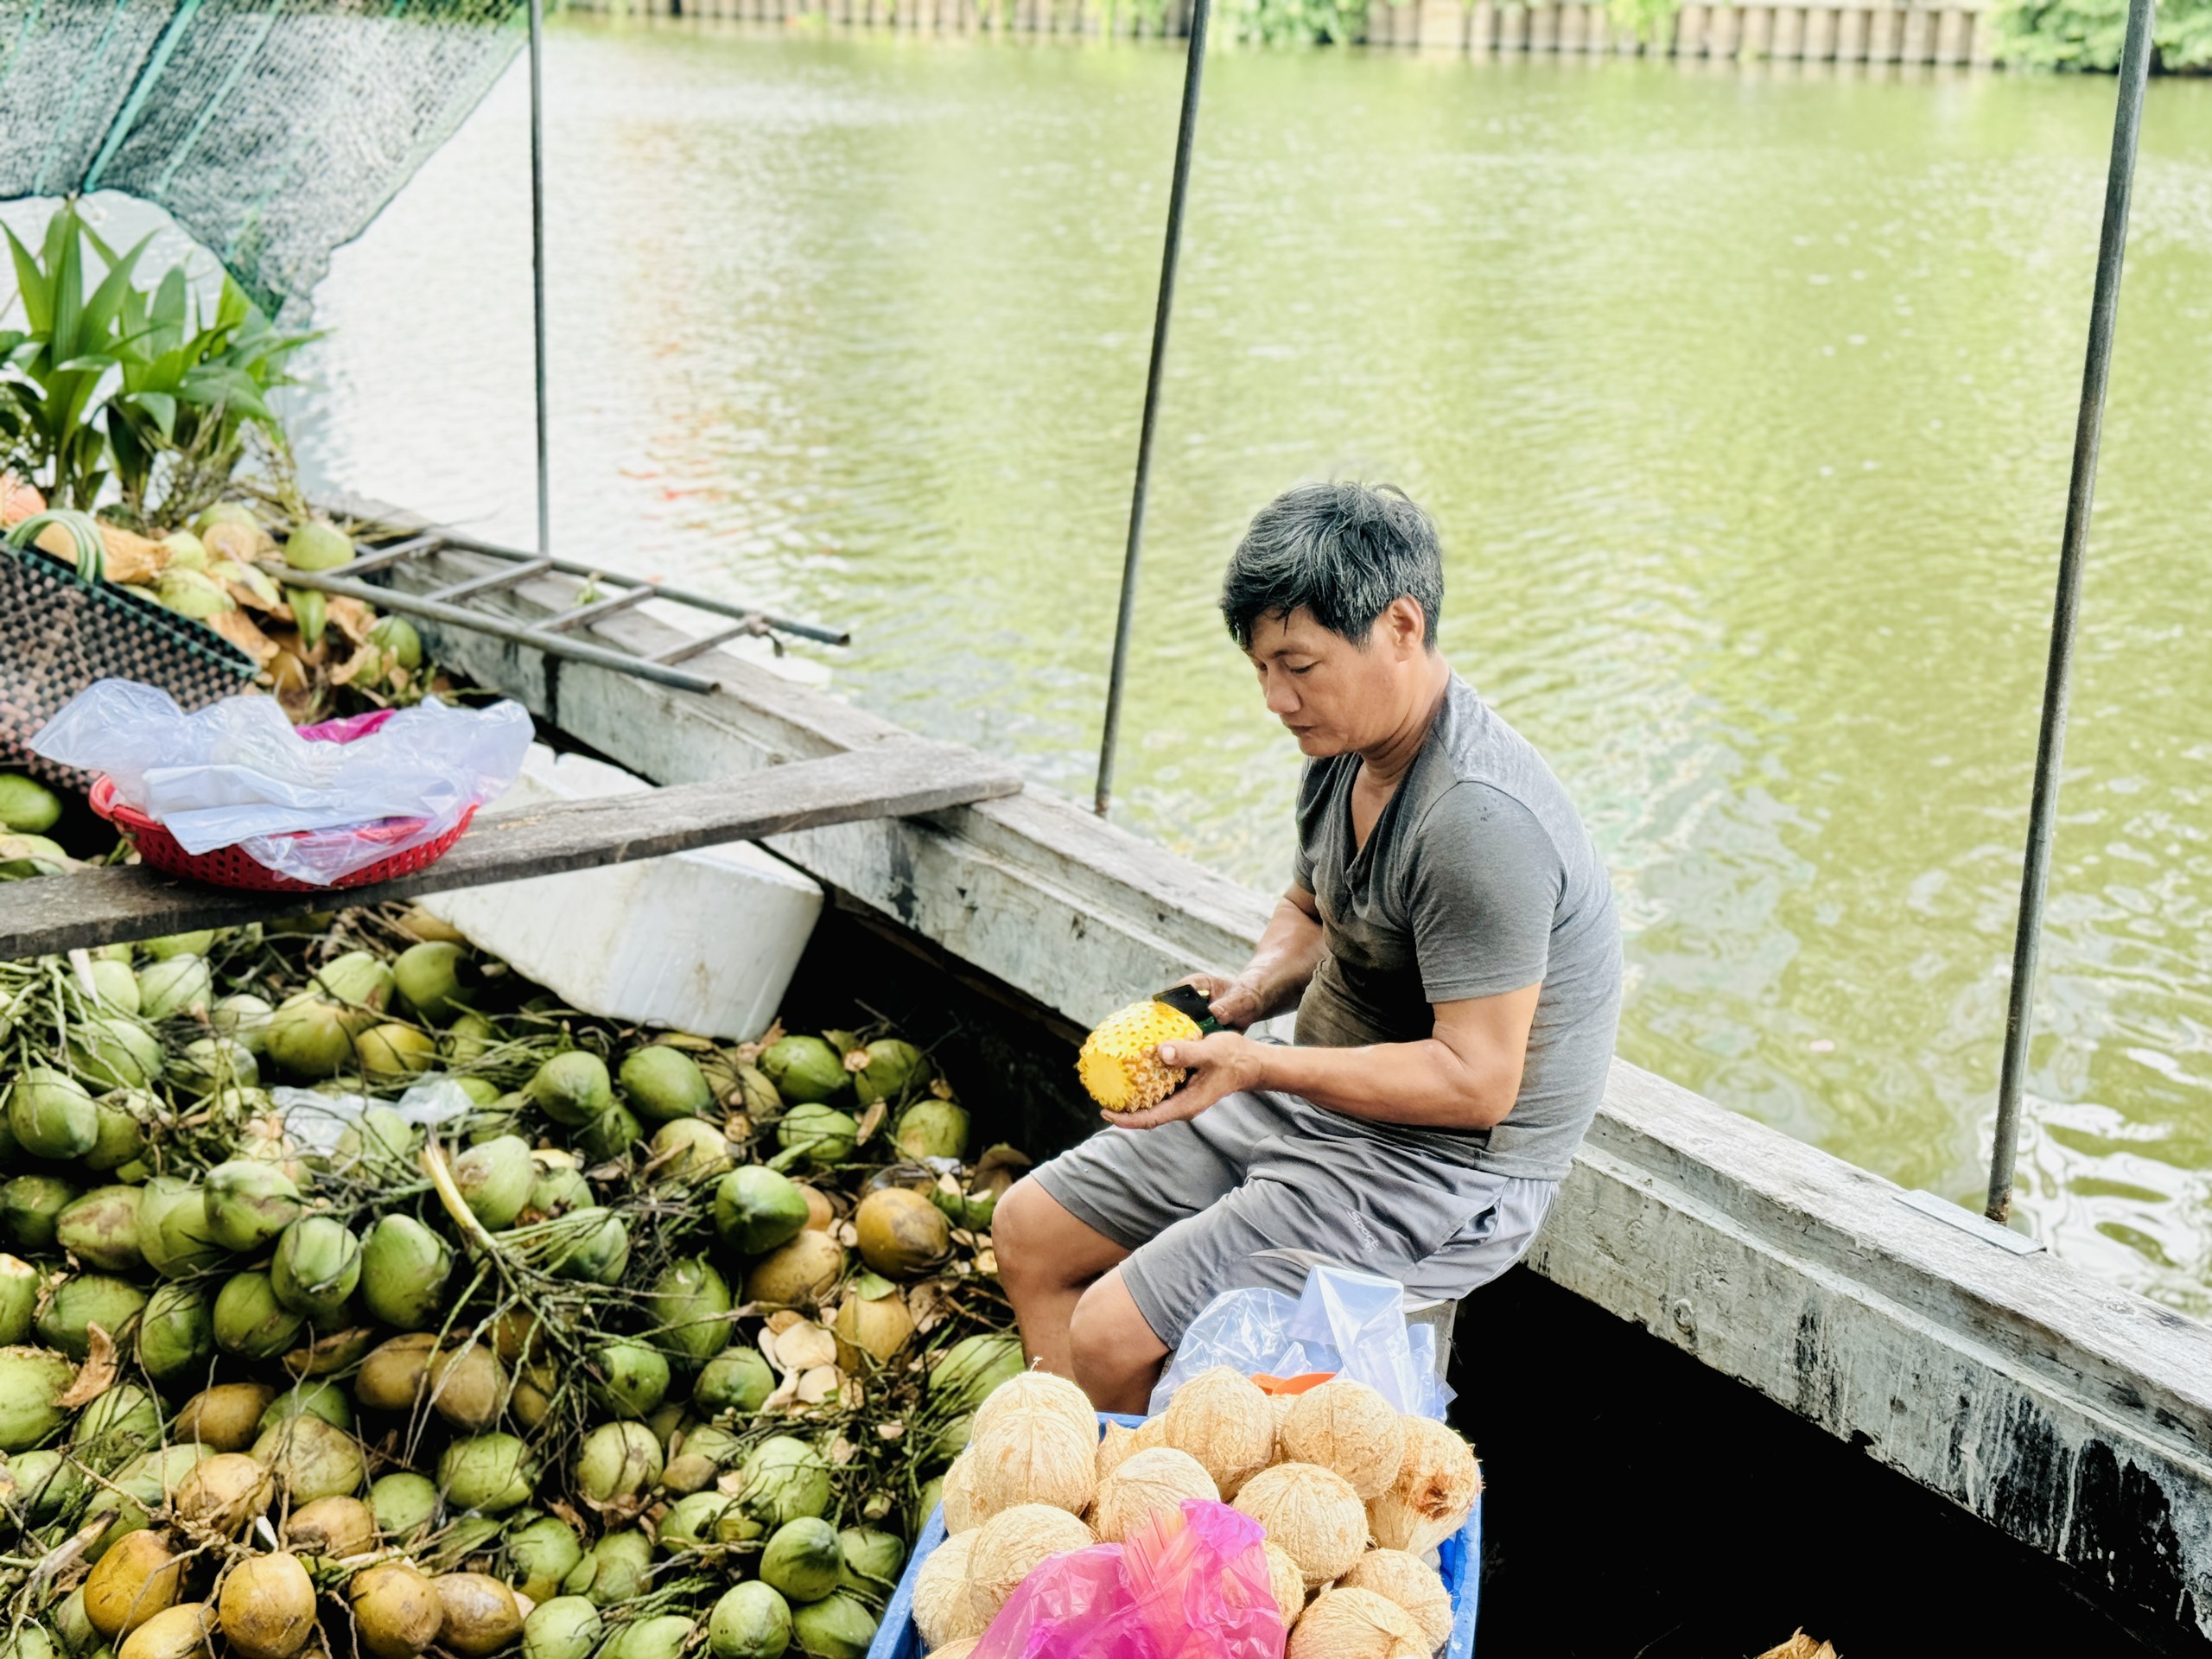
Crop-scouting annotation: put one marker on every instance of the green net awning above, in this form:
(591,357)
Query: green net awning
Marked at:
(270,130)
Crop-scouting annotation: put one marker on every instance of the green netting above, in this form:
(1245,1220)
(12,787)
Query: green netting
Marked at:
(270,130)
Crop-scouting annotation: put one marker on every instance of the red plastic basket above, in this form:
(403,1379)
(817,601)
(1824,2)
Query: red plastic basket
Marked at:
(229,866)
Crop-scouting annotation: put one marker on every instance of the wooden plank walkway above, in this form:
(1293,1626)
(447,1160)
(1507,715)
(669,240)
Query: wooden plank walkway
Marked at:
(895,779)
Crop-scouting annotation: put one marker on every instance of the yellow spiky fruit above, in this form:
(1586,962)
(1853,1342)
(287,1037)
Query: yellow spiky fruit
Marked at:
(1117,1064)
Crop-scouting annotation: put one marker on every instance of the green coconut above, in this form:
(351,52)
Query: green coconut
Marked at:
(82,1302)
(469,1038)
(114,986)
(801,1272)
(315,1266)
(310,1458)
(894,1069)
(360,984)
(973,1367)
(782,1480)
(802,1560)
(173,985)
(872,1560)
(484,1092)
(23,858)
(839,1626)
(690,1306)
(495,1177)
(403,1504)
(243,1018)
(557,1191)
(751,1621)
(46,1484)
(490,1473)
(540,1553)
(121,1135)
(933,1129)
(312,1398)
(404,1267)
(391,1053)
(212,1062)
(688,1150)
(815,1135)
(571,1088)
(698,1456)
(27,806)
(701,1520)
(662,1083)
(618,1462)
(661,1637)
(627,1378)
(101,1229)
(249,1203)
(318,544)
(806,1069)
(308,1036)
(564,1627)
(618,1568)
(737,1379)
(115,1426)
(19,1284)
(177,1333)
(399,640)
(28,1642)
(174,1234)
(51,1115)
(31,1207)
(380,1141)
(194,944)
(429,977)
(611,1135)
(113,1052)
(926,1501)
(250,1322)
(597,1247)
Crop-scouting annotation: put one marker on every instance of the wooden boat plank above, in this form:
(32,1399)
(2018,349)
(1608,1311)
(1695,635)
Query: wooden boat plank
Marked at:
(888,779)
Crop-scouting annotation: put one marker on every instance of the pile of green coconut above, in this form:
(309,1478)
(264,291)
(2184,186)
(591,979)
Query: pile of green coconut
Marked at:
(363,1299)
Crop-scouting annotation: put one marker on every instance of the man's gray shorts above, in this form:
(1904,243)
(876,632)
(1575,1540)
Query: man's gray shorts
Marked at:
(1258,1187)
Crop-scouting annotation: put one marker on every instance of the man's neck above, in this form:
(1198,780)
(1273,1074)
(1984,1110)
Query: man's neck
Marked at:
(1386,762)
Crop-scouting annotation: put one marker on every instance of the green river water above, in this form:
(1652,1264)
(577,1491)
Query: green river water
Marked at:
(1743,398)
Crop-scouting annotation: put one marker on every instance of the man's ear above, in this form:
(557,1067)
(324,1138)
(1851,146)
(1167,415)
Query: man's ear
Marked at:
(1406,625)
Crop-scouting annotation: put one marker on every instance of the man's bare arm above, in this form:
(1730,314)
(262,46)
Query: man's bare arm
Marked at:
(1282,963)
(1464,1076)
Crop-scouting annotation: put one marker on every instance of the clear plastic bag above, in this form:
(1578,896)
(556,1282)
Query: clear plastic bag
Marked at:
(1192,1586)
(317,1120)
(236,774)
(1353,1324)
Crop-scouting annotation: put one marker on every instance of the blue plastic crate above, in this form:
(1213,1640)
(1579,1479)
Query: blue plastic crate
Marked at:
(1459,1558)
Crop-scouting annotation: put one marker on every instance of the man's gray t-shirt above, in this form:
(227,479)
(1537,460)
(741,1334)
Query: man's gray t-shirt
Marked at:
(1477,879)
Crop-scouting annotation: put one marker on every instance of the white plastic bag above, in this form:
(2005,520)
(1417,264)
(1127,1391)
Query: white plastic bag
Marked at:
(316,1120)
(236,774)
(1352,1323)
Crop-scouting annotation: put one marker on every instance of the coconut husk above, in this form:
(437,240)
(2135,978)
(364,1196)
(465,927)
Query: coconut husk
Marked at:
(238,628)
(350,617)
(1801,1646)
(130,559)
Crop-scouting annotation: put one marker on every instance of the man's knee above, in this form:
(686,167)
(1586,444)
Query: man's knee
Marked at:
(1107,1336)
(1021,1227)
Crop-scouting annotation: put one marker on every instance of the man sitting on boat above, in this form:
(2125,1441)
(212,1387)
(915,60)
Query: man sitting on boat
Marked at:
(1450,943)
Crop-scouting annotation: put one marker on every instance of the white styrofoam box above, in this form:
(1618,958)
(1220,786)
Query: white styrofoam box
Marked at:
(704,942)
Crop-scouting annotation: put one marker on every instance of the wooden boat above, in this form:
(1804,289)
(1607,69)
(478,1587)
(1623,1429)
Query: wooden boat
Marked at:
(1739,1386)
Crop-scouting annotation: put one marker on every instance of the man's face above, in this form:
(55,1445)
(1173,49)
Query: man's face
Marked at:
(1334,696)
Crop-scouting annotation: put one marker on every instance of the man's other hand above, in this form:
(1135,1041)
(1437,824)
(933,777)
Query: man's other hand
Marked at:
(1233,1003)
(1219,1065)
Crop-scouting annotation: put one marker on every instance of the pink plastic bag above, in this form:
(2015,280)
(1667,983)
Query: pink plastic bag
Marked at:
(1192,1586)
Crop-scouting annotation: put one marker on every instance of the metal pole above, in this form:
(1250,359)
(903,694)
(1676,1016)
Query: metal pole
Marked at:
(2051,742)
(537,264)
(1186,136)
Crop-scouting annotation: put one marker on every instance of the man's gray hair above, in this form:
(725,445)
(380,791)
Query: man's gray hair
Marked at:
(1343,551)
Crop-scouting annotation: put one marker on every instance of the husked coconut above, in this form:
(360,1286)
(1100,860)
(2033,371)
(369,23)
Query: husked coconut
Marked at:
(1312,1512)
(1356,1624)
(946,1609)
(1287,1580)
(1033,1455)
(1115,1444)
(960,1649)
(963,1510)
(1282,1403)
(1148,1483)
(1347,1427)
(1434,1494)
(1148,1433)
(1221,1418)
(1009,1546)
(1034,1394)
(1412,1583)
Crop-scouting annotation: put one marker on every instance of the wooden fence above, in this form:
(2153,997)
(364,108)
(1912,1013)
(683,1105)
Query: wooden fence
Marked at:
(1811,31)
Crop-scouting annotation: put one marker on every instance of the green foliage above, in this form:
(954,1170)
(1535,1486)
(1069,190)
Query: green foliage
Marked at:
(2087,33)
(1648,20)
(110,383)
(1295,22)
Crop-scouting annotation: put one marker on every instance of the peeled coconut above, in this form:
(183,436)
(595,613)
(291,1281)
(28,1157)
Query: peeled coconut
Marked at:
(1356,1624)
(1312,1512)
(137,1579)
(396,1612)
(946,1607)
(1288,1582)
(1221,1418)
(1347,1427)
(963,1510)
(481,1614)
(267,1606)
(227,1493)
(335,1527)
(172,1633)
(227,1417)
(1434,1494)
(1011,1544)
(249,1203)
(1148,1483)
(802,1272)
(1412,1583)
(902,1234)
(1115,1444)
(1034,1456)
